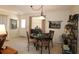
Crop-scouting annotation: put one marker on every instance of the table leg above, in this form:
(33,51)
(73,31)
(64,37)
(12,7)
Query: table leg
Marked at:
(41,46)
(49,47)
(37,45)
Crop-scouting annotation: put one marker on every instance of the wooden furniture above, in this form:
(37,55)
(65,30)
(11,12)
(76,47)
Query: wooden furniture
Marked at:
(30,40)
(3,35)
(2,40)
(9,50)
(43,40)
(71,38)
(32,32)
(51,36)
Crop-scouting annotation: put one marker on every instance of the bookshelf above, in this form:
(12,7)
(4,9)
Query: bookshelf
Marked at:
(70,37)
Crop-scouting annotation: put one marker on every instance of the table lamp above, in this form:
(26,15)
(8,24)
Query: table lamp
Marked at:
(3,35)
(2,29)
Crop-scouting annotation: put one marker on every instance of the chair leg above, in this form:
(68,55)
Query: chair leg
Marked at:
(52,43)
(49,47)
(28,47)
(45,47)
(41,49)
(41,46)
(37,45)
(34,44)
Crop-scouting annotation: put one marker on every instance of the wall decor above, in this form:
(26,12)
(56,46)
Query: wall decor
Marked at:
(13,23)
(55,24)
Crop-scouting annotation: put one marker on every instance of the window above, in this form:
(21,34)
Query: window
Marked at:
(23,23)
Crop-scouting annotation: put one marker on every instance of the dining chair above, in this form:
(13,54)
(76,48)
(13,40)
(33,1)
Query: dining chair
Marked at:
(32,31)
(44,42)
(51,36)
(33,41)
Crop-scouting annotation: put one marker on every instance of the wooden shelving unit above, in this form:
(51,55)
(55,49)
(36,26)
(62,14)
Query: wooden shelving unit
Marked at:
(71,38)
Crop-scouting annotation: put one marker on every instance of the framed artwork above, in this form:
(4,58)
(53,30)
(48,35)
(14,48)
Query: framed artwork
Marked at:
(13,24)
(55,24)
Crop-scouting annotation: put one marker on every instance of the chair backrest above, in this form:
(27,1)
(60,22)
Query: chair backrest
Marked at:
(27,36)
(32,31)
(51,34)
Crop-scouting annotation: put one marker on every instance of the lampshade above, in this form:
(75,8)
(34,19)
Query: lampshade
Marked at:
(2,29)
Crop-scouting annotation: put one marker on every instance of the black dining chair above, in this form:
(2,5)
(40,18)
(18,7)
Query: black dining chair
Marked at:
(51,36)
(33,41)
(32,32)
(44,42)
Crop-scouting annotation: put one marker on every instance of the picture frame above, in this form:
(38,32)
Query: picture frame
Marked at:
(55,24)
(13,24)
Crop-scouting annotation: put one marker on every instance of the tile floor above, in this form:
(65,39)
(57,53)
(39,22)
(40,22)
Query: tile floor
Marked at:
(20,44)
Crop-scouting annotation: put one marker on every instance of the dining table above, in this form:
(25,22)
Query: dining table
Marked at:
(42,37)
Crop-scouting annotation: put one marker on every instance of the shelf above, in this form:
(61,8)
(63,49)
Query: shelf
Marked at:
(73,28)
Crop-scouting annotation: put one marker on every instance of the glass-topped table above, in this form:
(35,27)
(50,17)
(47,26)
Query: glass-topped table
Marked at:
(42,37)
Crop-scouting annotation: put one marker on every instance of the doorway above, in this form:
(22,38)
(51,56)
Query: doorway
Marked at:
(36,21)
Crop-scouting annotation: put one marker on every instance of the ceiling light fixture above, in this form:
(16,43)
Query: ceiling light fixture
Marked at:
(37,9)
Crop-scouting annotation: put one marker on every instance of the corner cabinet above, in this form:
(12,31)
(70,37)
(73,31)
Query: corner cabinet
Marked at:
(70,39)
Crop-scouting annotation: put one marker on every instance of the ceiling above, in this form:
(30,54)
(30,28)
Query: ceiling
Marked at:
(23,9)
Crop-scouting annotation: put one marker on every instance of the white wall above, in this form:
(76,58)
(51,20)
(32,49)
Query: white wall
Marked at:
(22,31)
(75,9)
(11,33)
(62,15)
(57,16)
